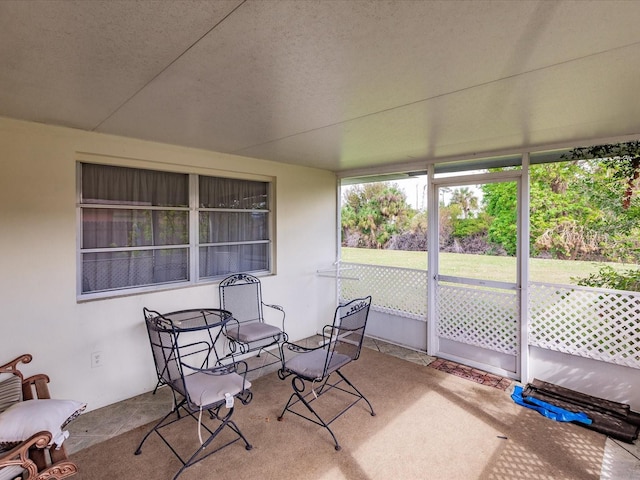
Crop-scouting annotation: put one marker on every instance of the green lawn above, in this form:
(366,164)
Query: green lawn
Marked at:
(484,267)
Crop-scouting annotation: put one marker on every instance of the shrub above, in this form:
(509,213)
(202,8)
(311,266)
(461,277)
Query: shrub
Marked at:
(608,277)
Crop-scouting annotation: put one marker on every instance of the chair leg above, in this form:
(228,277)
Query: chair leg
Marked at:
(225,421)
(301,398)
(360,394)
(155,427)
(281,352)
(232,425)
(298,395)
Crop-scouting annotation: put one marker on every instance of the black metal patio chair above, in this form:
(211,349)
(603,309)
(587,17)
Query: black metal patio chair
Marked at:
(315,367)
(247,331)
(197,387)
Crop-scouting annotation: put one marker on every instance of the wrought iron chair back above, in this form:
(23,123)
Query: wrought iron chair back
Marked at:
(163,339)
(346,335)
(241,294)
(170,363)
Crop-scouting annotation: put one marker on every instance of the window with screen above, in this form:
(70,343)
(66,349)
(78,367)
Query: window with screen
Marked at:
(144,228)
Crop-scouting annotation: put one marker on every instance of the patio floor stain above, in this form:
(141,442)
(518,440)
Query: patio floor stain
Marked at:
(470,373)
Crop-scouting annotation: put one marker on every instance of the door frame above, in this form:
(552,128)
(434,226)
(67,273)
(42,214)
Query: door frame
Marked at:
(521,177)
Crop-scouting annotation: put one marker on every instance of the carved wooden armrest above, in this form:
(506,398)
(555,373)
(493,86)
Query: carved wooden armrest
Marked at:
(19,455)
(12,366)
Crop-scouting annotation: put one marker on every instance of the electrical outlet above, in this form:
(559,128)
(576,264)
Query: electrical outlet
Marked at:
(96,359)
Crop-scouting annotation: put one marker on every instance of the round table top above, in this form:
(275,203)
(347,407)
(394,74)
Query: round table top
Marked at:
(197,318)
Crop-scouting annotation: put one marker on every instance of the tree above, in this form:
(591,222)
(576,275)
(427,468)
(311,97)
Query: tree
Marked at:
(610,187)
(372,213)
(412,238)
(562,220)
(622,158)
(500,200)
(466,199)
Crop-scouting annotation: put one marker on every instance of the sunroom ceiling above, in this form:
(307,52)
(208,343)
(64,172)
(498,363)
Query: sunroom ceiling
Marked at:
(340,85)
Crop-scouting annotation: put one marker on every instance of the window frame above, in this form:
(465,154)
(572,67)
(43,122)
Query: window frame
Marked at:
(193,215)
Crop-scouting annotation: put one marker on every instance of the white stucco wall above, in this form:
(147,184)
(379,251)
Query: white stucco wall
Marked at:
(39,313)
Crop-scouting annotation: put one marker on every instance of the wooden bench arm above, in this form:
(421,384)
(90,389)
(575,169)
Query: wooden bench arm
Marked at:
(12,366)
(19,455)
(35,455)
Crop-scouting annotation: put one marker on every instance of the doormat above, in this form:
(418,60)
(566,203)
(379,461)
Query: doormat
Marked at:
(469,373)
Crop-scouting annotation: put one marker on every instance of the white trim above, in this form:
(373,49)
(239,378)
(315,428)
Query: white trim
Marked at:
(419,163)
(433,242)
(523,253)
(194,253)
(161,166)
(477,178)
(478,282)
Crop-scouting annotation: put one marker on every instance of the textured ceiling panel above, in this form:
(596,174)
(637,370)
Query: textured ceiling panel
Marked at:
(75,62)
(332,84)
(544,107)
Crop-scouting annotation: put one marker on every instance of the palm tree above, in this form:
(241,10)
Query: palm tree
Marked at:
(466,199)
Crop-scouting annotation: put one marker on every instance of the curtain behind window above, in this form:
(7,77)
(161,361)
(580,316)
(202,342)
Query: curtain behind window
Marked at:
(233,226)
(104,184)
(114,226)
(135,227)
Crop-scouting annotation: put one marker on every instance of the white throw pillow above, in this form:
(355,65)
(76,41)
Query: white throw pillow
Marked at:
(23,419)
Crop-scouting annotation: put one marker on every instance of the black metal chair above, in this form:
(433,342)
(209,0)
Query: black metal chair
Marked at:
(247,332)
(197,387)
(310,366)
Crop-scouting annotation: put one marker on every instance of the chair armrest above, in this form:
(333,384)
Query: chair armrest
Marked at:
(279,308)
(18,456)
(294,347)
(12,366)
(36,387)
(217,370)
(329,333)
(231,323)
(273,305)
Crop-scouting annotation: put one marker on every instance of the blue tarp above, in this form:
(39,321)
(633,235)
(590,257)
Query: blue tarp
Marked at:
(550,411)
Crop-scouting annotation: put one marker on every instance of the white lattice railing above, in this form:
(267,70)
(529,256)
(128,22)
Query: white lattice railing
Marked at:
(480,317)
(588,322)
(593,323)
(401,291)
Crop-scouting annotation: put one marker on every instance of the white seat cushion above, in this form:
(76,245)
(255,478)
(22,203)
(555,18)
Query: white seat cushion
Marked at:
(252,332)
(205,390)
(311,364)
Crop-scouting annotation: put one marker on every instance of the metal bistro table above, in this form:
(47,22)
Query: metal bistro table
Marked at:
(197,318)
(211,320)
